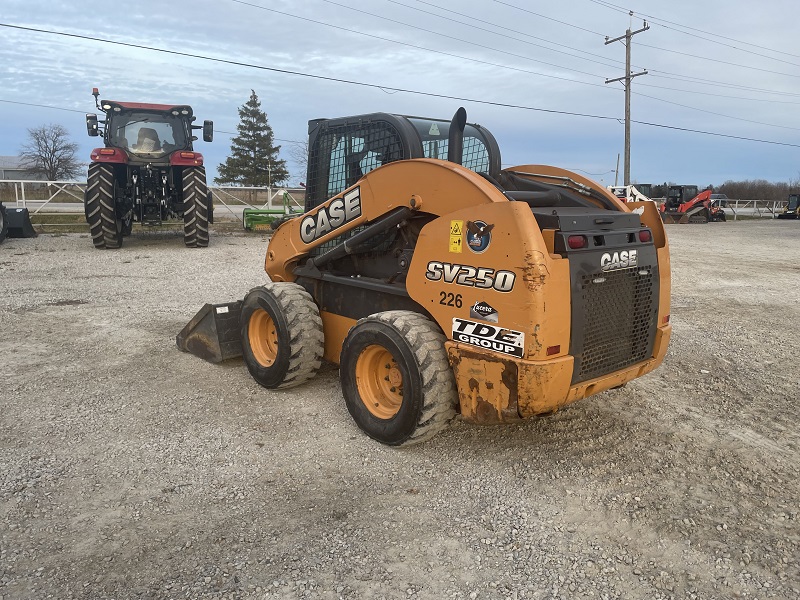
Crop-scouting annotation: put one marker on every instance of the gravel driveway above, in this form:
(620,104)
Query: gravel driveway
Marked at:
(131,470)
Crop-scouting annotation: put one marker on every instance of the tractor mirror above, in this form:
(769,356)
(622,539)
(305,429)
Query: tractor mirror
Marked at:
(208,131)
(91,125)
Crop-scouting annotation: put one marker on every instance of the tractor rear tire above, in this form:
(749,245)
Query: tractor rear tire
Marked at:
(281,331)
(3,223)
(195,207)
(396,380)
(105,228)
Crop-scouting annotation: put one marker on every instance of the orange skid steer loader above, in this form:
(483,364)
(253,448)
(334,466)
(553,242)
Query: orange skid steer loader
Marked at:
(442,284)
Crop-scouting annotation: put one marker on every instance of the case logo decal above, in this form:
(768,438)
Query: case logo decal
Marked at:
(326,219)
(489,337)
(618,260)
(479,234)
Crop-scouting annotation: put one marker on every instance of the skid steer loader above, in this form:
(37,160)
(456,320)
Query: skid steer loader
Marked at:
(443,284)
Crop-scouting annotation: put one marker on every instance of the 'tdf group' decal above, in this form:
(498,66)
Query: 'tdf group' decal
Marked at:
(489,337)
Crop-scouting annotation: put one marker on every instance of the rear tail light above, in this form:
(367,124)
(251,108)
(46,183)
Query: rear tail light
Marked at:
(665,320)
(645,235)
(187,155)
(553,350)
(577,241)
(107,151)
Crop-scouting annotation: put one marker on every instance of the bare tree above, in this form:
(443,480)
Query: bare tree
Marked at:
(299,153)
(50,153)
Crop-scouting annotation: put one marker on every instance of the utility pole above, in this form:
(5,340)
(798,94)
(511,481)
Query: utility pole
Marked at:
(627,81)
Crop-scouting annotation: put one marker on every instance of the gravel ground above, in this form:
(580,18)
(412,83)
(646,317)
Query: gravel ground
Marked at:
(131,470)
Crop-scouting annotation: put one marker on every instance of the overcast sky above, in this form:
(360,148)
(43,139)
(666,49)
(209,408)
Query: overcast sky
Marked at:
(738,76)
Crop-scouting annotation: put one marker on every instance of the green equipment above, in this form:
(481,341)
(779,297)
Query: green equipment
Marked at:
(266,219)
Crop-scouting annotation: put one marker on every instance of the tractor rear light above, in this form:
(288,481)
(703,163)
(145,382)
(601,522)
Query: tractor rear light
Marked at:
(189,155)
(645,235)
(109,151)
(553,350)
(577,241)
(665,320)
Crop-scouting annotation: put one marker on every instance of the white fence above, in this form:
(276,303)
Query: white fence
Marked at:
(67,196)
(36,195)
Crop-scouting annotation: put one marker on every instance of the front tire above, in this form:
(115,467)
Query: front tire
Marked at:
(396,379)
(281,331)
(105,228)
(195,207)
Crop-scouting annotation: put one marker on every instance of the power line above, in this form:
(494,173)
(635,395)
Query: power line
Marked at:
(696,80)
(735,137)
(376,86)
(661,22)
(42,106)
(444,35)
(711,112)
(722,62)
(548,18)
(416,47)
(451,19)
(671,89)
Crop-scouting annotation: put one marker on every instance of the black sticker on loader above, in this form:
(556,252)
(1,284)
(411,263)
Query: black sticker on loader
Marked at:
(481,310)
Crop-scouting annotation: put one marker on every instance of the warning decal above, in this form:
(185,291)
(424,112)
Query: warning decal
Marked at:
(456,235)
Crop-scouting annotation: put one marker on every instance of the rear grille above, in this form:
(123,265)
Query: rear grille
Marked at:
(619,320)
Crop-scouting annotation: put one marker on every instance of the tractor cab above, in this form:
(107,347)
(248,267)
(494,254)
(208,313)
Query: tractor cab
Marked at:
(147,132)
(679,194)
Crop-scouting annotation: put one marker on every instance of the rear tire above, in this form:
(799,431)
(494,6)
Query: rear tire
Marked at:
(3,223)
(105,228)
(282,339)
(397,382)
(195,207)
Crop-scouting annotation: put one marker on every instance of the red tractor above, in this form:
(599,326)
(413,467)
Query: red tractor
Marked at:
(147,171)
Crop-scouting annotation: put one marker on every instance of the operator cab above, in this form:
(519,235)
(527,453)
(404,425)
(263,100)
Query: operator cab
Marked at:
(148,134)
(343,150)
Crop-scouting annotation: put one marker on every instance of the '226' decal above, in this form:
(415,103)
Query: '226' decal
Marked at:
(478,277)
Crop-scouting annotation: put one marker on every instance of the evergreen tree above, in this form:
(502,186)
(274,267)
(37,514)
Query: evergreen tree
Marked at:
(253,159)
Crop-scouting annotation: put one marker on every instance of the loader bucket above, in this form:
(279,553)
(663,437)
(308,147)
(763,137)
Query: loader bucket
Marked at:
(19,223)
(671,218)
(213,333)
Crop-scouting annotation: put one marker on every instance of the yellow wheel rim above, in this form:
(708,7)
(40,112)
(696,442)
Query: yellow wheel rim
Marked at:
(263,337)
(379,382)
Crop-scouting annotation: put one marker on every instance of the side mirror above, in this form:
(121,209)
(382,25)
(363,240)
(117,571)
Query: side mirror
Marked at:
(91,125)
(208,131)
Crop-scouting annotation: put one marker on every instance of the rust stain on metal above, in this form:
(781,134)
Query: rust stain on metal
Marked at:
(534,271)
(487,388)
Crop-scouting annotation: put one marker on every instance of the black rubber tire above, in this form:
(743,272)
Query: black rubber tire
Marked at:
(127,225)
(99,204)
(298,328)
(429,394)
(195,207)
(3,223)
(210,208)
